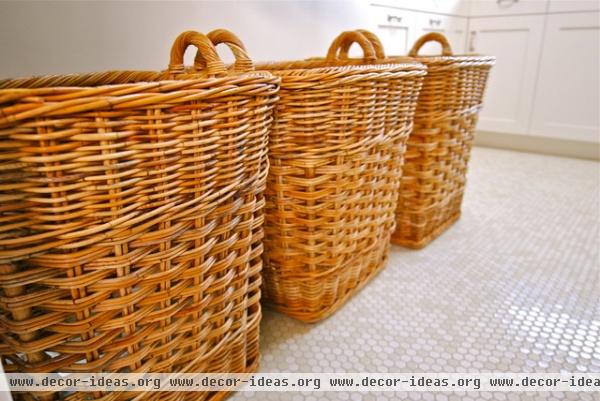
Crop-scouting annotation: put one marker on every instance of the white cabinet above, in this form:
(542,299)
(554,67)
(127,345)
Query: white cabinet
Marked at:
(516,42)
(395,28)
(447,7)
(499,8)
(398,29)
(454,28)
(546,80)
(566,102)
(573,5)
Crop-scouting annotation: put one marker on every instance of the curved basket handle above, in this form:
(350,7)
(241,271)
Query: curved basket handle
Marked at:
(243,63)
(371,37)
(212,62)
(428,37)
(351,37)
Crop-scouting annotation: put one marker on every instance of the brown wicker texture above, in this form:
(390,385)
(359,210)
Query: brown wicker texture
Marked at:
(132,220)
(439,147)
(336,146)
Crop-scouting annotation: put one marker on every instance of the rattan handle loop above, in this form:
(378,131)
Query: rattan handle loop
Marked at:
(351,37)
(371,37)
(243,63)
(212,62)
(429,37)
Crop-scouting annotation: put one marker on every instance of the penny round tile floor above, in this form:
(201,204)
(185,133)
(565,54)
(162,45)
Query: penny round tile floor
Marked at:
(513,286)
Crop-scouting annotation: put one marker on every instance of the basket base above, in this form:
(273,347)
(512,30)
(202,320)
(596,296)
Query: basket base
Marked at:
(313,317)
(427,239)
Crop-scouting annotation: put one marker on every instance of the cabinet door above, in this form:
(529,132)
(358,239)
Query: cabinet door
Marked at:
(566,102)
(454,28)
(395,28)
(516,42)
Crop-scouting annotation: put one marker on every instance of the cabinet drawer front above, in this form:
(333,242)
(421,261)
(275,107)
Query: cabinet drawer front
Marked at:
(454,28)
(573,5)
(435,22)
(391,17)
(507,7)
(449,7)
(394,27)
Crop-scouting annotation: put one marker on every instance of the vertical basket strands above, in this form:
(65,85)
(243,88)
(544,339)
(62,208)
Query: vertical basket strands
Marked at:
(439,146)
(132,220)
(334,151)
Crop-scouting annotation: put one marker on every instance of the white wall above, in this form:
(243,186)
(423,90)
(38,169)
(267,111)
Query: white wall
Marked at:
(49,37)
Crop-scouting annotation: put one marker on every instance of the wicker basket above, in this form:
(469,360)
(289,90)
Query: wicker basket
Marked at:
(334,150)
(439,147)
(132,220)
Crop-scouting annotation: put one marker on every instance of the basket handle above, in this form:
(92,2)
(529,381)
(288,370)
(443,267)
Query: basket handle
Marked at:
(351,37)
(212,62)
(429,37)
(371,37)
(243,63)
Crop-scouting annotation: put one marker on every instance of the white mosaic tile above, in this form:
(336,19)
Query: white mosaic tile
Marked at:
(513,287)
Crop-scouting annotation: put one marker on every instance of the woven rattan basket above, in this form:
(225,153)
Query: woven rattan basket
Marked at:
(132,220)
(335,148)
(439,146)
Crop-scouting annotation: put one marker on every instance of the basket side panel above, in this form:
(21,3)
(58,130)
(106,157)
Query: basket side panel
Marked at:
(438,152)
(135,235)
(336,155)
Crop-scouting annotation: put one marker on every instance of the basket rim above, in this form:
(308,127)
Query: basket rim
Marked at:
(118,78)
(320,65)
(455,58)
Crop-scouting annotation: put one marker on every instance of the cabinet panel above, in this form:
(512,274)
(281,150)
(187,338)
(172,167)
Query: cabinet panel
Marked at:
(566,102)
(516,42)
(481,8)
(454,28)
(449,7)
(395,28)
(573,5)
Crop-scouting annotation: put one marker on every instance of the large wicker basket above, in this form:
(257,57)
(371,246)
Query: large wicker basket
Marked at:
(439,146)
(132,220)
(335,148)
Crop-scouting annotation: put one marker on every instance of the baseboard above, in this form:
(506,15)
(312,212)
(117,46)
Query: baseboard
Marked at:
(535,144)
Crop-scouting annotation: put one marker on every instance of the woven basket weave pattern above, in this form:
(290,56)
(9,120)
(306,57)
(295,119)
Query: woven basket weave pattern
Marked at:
(439,146)
(133,223)
(335,152)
